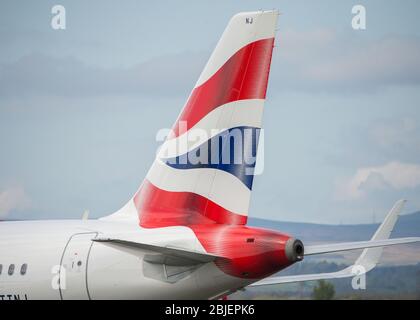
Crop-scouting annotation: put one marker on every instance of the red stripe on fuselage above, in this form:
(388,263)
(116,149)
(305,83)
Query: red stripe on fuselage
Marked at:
(243,76)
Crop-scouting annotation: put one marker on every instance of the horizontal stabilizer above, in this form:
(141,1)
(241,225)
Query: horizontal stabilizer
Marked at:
(162,254)
(379,239)
(347,246)
(367,260)
(345,273)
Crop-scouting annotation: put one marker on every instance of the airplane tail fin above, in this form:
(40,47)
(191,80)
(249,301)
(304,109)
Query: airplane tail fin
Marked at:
(204,171)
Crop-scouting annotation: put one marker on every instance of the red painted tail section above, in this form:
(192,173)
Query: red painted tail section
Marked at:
(243,76)
(213,200)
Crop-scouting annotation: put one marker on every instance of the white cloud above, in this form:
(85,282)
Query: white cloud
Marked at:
(384,61)
(395,175)
(331,61)
(42,75)
(13,198)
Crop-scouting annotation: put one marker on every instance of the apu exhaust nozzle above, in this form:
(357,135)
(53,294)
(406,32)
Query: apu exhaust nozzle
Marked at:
(294,250)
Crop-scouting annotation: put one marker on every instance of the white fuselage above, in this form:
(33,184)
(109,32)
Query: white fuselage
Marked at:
(53,250)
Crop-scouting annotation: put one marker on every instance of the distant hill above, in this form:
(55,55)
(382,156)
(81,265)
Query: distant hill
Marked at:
(402,282)
(407,226)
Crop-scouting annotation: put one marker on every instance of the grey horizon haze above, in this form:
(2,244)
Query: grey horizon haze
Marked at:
(80,107)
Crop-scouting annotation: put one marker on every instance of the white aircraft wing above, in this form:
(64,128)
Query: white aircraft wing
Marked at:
(366,261)
(345,273)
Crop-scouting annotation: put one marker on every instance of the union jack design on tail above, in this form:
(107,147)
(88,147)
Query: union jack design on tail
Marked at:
(191,181)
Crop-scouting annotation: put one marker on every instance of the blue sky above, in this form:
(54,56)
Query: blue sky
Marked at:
(80,108)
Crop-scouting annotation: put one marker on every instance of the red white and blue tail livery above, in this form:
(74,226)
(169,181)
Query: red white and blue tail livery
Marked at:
(226,102)
(183,234)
